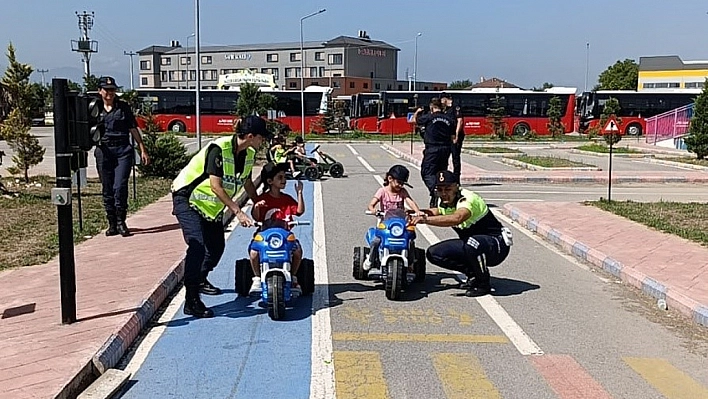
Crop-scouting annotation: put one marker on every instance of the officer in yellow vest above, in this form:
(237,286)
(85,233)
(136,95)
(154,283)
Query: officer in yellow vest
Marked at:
(202,192)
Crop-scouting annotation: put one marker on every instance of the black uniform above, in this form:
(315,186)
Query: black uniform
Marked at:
(439,130)
(454,113)
(114,159)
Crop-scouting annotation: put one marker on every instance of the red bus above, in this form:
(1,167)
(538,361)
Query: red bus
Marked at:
(525,109)
(174,110)
(635,106)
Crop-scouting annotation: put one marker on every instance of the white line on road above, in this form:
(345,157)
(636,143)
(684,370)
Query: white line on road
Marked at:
(390,152)
(352,149)
(366,164)
(322,379)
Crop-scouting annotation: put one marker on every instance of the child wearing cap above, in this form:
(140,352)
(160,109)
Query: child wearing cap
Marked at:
(391,199)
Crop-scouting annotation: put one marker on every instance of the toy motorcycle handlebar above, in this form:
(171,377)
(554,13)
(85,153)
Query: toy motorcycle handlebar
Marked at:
(381,214)
(290,223)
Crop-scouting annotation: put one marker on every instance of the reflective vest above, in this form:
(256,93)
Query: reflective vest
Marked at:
(471,201)
(279,155)
(202,199)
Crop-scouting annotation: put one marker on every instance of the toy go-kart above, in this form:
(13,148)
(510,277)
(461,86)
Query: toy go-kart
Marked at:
(328,164)
(397,252)
(275,246)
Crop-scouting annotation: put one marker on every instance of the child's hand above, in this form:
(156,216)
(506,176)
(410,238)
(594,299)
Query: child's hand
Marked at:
(299,187)
(259,204)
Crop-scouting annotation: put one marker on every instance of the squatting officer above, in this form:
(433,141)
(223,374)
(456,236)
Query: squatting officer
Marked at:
(201,193)
(115,155)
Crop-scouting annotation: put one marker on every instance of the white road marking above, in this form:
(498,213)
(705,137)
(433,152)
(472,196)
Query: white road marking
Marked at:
(322,379)
(390,152)
(366,164)
(352,149)
(413,165)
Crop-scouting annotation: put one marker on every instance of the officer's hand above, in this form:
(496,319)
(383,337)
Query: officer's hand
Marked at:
(244,220)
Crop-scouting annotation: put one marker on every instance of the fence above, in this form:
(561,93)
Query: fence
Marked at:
(669,125)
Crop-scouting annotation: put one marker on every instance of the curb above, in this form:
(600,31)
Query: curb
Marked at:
(529,166)
(688,307)
(679,164)
(491,154)
(607,154)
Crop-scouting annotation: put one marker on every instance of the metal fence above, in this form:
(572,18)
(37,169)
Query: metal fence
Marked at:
(669,125)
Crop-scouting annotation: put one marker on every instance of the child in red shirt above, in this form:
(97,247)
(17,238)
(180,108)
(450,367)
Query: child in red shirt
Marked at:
(274,207)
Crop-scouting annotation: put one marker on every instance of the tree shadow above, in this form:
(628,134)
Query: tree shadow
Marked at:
(155,229)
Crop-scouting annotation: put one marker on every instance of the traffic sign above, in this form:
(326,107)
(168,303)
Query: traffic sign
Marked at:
(410,117)
(611,126)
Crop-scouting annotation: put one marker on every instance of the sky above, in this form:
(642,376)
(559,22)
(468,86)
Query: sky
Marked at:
(525,42)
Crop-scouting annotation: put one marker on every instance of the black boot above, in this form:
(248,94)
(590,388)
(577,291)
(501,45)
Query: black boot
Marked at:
(194,306)
(112,226)
(121,226)
(206,287)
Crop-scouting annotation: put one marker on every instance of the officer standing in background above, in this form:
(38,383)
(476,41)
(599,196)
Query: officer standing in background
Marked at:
(439,130)
(115,155)
(454,112)
(201,193)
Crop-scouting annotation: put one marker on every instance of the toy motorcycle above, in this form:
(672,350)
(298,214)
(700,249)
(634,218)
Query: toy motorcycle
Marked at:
(275,246)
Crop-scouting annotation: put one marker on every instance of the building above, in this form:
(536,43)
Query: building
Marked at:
(347,64)
(670,72)
(492,83)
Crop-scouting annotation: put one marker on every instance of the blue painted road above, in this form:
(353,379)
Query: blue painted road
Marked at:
(241,352)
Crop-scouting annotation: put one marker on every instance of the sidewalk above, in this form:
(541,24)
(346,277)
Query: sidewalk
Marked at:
(661,265)
(474,174)
(120,282)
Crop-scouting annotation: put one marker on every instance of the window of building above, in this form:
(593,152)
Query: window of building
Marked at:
(295,57)
(209,74)
(692,85)
(322,72)
(185,60)
(144,65)
(336,85)
(377,86)
(400,87)
(388,87)
(143,81)
(337,75)
(352,85)
(206,59)
(163,76)
(335,59)
(425,87)
(273,57)
(293,85)
(319,56)
(366,85)
(166,61)
(313,72)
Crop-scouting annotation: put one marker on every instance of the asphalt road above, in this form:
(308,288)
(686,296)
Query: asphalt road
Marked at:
(552,328)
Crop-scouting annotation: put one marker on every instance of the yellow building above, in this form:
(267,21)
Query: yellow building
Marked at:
(670,72)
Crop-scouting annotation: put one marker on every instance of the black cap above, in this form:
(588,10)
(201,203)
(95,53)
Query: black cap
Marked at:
(107,82)
(299,139)
(255,125)
(400,173)
(446,177)
(444,95)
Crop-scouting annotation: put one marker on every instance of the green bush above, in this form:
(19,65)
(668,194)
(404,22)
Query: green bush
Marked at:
(167,155)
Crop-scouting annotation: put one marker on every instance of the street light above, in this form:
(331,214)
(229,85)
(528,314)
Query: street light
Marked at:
(196,91)
(587,64)
(302,73)
(186,54)
(415,62)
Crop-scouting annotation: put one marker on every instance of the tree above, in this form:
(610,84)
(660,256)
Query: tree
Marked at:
(495,119)
(90,83)
(25,147)
(697,139)
(554,113)
(16,82)
(73,86)
(251,101)
(167,153)
(38,99)
(460,84)
(543,87)
(611,108)
(623,75)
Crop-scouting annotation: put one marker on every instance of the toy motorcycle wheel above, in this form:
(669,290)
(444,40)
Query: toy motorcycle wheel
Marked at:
(243,276)
(336,170)
(306,276)
(358,271)
(311,173)
(276,296)
(395,279)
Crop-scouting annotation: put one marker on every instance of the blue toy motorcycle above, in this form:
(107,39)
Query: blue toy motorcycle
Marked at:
(397,252)
(275,245)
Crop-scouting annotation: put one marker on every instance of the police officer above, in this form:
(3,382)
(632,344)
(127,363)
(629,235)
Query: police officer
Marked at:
(201,193)
(115,155)
(455,113)
(439,130)
(482,242)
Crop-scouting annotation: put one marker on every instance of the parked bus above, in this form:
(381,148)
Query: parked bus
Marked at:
(174,110)
(525,110)
(635,106)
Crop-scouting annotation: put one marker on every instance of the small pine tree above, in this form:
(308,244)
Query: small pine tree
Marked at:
(25,147)
(612,107)
(328,120)
(251,101)
(16,82)
(697,139)
(554,113)
(495,119)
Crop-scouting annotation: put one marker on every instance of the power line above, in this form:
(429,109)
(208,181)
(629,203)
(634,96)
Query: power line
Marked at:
(43,71)
(131,54)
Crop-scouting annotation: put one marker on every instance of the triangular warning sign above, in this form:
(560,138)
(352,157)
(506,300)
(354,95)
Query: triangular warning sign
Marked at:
(611,126)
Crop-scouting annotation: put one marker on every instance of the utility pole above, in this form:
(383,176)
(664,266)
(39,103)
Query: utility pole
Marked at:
(587,64)
(43,71)
(131,54)
(85,45)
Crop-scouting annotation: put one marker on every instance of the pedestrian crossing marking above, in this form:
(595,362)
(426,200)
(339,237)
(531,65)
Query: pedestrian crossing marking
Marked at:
(667,379)
(567,378)
(463,377)
(359,375)
(407,337)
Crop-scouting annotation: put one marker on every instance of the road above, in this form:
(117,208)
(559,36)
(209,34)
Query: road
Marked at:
(552,328)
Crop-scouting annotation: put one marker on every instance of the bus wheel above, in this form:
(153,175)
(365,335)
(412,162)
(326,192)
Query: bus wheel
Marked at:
(634,129)
(522,129)
(178,127)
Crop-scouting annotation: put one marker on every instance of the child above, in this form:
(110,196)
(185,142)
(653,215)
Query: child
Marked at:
(300,153)
(279,154)
(393,197)
(274,207)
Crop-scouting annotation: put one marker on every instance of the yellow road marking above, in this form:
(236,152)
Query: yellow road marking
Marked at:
(463,377)
(667,379)
(359,375)
(403,337)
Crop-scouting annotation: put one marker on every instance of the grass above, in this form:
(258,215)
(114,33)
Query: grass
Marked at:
(604,149)
(28,220)
(550,162)
(492,150)
(694,161)
(686,220)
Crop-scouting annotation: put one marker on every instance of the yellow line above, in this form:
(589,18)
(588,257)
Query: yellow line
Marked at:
(401,337)
(667,379)
(463,377)
(359,375)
